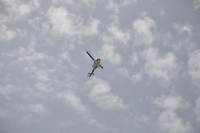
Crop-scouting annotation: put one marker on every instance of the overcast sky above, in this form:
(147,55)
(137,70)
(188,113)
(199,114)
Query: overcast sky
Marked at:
(150,51)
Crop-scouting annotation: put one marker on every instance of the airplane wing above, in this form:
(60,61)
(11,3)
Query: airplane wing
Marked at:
(90,56)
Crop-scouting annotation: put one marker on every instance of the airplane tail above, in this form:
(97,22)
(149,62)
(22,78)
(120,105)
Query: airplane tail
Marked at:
(89,74)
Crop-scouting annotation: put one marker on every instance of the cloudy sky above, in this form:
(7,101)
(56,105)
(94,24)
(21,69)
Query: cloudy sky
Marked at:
(150,51)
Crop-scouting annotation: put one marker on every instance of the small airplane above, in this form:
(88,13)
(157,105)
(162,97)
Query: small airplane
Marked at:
(95,65)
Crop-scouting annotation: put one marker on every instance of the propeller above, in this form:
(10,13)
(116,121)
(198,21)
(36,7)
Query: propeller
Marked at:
(101,66)
(90,56)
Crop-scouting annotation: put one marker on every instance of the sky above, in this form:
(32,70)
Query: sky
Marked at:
(150,51)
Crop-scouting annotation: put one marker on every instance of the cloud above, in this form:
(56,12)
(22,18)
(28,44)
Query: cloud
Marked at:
(65,56)
(102,96)
(64,1)
(65,23)
(7,89)
(162,12)
(13,10)
(108,52)
(197,110)
(5,34)
(136,78)
(77,3)
(123,71)
(73,101)
(37,24)
(196,4)
(19,8)
(128,2)
(183,29)
(34,22)
(114,6)
(43,88)
(4,113)
(194,66)
(171,102)
(33,66)
(37,108)
(26,55)
(28,113)
(134,59)
(168,121)
(45,28)
(143,31)
(163,68)
(114,34)
(184,45)
(8,35)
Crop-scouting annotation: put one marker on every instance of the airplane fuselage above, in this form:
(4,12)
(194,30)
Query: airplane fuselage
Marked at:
(96,63)
(95,66)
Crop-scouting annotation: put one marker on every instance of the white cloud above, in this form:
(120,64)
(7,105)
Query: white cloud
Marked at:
(34,22)
(37,108)
(64,23)
(108,52)
(136,78)
(123,71)
(7,89)
(194,66)
(184,45)
(163,68)
(77,3)
(115,6)
(134,59)
(102,96)
(21,33)
(164,38)
(73,101)
(42,76)
(65,56)
(43,88)
(196,4)
(197,110)
(19,8)
(36,3)
(171,102)
(128,2)
(14,10)
(115,34)
(64,1)
(33,65)
(28,113)
(181,29)
(27,55)
(162,12)
(143,31)
(112,6)
(37,24)
(5,34)
(168,121)
(45,28)
(4,113)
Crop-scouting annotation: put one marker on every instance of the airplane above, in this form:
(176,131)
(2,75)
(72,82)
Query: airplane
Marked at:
(95,65)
